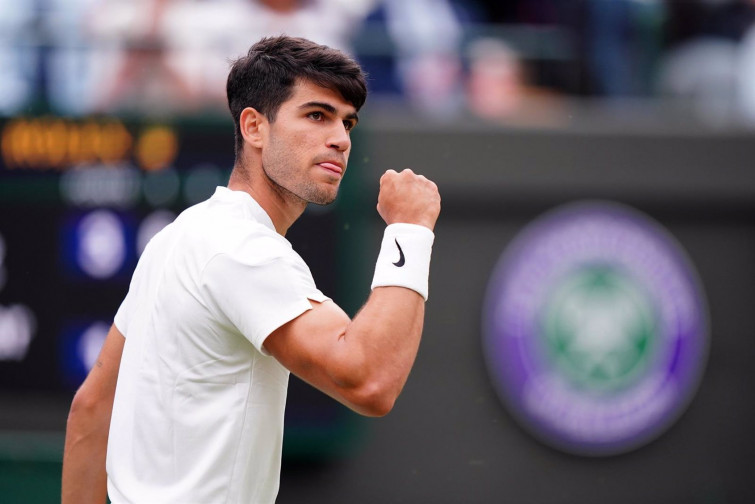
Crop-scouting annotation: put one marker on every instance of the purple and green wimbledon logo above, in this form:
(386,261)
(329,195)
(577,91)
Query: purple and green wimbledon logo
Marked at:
(595,329)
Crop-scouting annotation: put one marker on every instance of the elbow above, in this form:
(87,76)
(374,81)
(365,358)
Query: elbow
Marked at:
(377,409)
(366,389)
(380,409)
(373,400)
(81,405)
(88,418)
(84,406)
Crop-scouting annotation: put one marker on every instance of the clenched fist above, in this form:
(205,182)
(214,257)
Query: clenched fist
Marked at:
(408,197)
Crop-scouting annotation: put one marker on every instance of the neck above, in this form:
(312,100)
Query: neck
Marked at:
(281,206)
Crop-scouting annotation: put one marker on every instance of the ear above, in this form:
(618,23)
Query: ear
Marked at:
(253,125)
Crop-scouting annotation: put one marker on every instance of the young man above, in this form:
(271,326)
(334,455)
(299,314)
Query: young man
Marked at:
(221,309)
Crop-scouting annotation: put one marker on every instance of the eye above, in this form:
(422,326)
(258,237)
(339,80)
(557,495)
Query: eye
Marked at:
(317,116)
(349,125)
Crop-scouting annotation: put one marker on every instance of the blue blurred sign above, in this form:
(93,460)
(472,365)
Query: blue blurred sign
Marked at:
(99,245)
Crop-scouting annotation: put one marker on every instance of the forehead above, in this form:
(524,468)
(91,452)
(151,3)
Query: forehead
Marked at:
(307,92)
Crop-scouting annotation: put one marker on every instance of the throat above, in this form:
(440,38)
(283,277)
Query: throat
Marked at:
(282,205)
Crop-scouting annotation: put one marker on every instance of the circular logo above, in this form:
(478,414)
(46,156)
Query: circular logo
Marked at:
(595,329)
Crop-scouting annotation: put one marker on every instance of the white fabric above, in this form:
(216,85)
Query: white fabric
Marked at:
(198,413)
(404,259)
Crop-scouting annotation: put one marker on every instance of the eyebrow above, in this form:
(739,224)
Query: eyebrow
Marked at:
(328,108)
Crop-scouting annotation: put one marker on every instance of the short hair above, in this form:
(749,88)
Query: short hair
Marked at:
(265,77)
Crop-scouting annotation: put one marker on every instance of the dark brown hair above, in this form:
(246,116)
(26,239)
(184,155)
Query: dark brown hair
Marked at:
(264,78)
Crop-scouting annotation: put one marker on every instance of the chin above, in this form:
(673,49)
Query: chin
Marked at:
(323,197)
(323,201)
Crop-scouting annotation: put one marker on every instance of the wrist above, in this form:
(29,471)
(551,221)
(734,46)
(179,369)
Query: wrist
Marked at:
(404,259)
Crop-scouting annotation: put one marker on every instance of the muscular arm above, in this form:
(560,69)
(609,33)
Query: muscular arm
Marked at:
(365,362)
(362,363)
(84,478)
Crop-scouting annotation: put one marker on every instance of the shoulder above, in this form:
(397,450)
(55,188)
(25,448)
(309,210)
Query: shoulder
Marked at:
(220,229)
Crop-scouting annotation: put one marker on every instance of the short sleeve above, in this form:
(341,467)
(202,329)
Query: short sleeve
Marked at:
(258,295)
(123,314)
(127,309)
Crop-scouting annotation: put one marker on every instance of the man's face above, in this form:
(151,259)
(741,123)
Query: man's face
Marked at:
(308,145)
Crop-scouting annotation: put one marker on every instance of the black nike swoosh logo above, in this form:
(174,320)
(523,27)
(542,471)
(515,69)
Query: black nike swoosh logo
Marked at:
(400,261)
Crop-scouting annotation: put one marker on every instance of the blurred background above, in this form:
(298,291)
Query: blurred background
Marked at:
(113,120)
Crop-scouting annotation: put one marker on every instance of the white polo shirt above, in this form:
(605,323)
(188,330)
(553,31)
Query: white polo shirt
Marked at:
(198,412)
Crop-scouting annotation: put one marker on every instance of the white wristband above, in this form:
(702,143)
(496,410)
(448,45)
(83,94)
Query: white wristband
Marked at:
(404,259)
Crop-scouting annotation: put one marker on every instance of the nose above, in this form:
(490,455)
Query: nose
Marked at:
(339,138)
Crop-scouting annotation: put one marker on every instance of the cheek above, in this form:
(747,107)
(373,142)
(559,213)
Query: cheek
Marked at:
(290,149)
(279,149)
(303,148)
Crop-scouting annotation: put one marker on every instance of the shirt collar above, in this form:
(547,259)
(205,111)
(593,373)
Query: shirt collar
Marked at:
(253,208)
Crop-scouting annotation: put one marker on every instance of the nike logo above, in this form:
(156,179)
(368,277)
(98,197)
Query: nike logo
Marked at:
(400,261)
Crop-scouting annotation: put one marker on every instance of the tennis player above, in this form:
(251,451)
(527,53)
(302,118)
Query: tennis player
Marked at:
(185,403)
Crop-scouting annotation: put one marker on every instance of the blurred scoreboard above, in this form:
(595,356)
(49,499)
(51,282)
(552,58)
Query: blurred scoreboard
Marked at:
(79,200)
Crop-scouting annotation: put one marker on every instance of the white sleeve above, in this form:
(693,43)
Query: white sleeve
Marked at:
(135,292)
(259,295)
(123,314)
(128,305)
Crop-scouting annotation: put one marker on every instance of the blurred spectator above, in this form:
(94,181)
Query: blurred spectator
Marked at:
(74,66)
(544,34)
(427,37)
(702,73)
(622,41)
(138,74)
(204,36)
(612,44)
(499,88)
(173,55)
(710,59)
(496,82)
(177,52)
(19,56)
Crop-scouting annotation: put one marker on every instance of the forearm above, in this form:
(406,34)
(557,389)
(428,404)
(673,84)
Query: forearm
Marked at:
(382,343)
(375,352)
(84,477)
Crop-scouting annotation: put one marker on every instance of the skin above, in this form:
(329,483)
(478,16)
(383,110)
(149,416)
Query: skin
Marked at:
(84,478)
(299,158)
(364,363)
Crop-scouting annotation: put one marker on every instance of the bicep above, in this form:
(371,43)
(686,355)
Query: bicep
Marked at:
(362,363)
(311,346)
